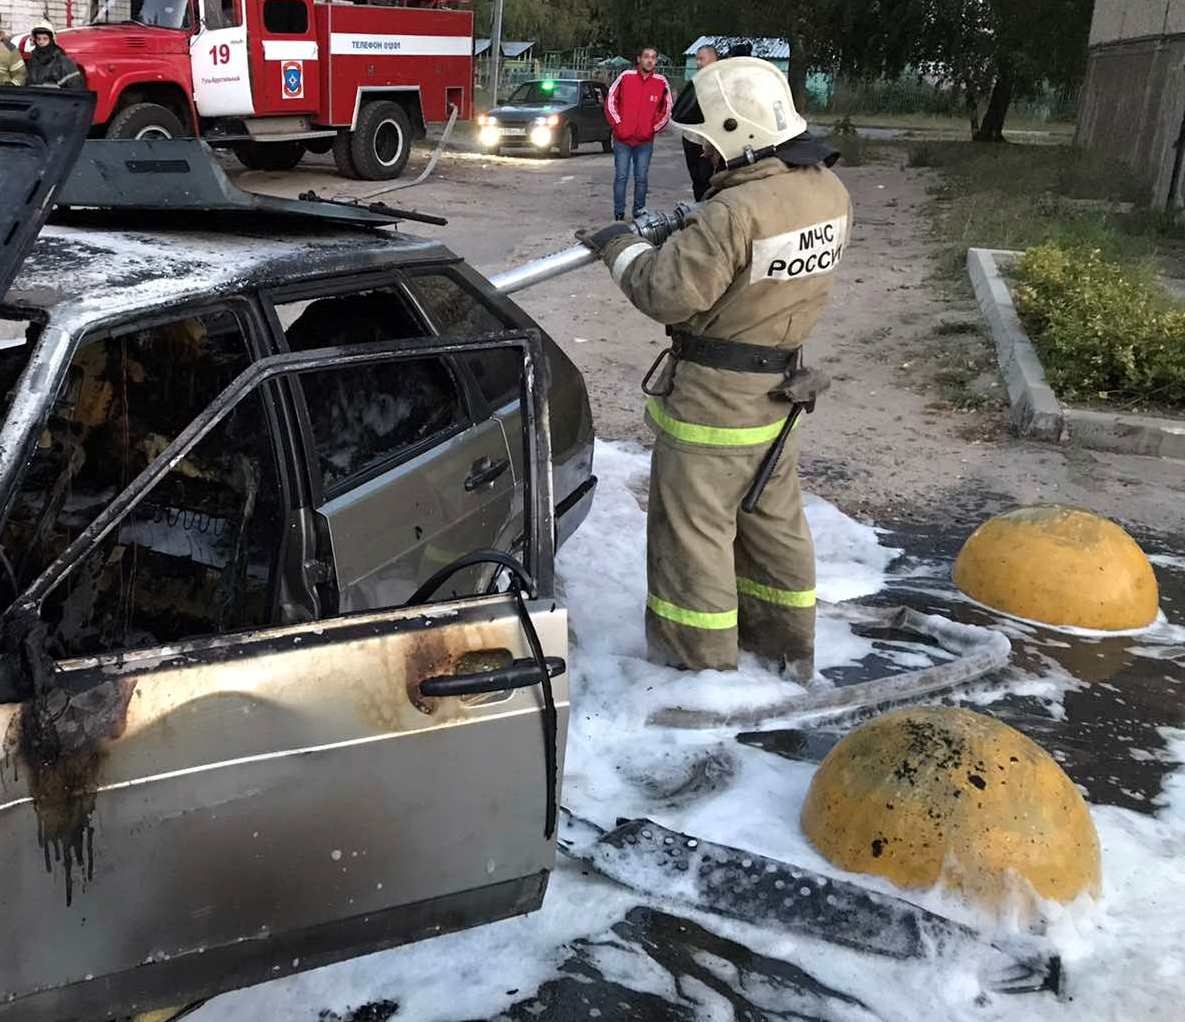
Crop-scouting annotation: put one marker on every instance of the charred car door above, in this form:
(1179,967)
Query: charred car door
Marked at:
(408,473)
(183,817)
(456,300)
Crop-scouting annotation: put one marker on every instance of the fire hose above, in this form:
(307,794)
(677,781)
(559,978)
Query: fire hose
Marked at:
(974,651)
(652,227)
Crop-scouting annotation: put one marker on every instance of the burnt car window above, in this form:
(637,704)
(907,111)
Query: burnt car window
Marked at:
(196,557)
(366,419)
(17,338)
(461,312)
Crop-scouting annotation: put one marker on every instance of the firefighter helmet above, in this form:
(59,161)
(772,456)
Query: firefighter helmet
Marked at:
(44,25)
(741,106)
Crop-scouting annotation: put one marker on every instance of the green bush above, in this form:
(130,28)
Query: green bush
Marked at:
(851,144)
(1104,331)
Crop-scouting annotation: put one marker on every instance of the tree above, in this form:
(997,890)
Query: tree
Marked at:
(554,26)
(1003,49)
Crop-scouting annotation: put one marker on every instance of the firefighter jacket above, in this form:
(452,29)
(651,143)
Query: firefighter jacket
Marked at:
(638,107)
(50,66)
(755,264)
(12,65)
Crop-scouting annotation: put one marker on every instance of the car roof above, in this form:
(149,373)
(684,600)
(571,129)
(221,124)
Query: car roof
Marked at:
(86,273)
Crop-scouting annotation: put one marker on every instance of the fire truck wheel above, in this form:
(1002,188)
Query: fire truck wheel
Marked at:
(342,157)
(381,143)
(270,155)
(146,120)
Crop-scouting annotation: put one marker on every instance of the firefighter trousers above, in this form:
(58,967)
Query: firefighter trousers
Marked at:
(719,578)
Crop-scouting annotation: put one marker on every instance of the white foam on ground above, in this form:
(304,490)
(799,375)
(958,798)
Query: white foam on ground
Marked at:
(1125,955)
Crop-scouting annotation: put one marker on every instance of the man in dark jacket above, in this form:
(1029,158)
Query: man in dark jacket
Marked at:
(638,107)
(699,163)
(48,65)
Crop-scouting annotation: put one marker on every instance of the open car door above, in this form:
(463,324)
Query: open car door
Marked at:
(175,822)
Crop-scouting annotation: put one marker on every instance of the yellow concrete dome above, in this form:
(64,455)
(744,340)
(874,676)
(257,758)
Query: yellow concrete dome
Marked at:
(1060,566)
(934,794)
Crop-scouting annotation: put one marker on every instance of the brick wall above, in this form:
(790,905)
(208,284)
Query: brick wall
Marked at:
(18,15)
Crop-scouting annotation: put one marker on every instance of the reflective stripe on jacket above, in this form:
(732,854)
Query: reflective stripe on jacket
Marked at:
(12,65)
(50,66)
(755,264)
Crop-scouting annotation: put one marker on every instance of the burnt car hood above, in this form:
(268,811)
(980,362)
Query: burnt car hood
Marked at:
(41,134)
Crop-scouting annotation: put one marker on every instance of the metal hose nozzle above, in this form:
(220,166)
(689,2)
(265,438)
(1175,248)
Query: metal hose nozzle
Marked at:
(653,227)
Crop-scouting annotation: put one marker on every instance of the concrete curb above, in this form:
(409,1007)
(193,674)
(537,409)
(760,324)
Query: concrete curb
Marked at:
(1035,410)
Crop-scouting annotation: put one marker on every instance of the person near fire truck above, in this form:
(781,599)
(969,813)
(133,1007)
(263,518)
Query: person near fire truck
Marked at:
(12,64)
(740,288)
(48,64)
(638,107)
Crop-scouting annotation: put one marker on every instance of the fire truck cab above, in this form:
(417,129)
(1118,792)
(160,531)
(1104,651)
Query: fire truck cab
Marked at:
(273,79)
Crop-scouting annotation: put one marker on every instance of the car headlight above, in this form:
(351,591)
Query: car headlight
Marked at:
(541,136)
(548,122)
(486,121)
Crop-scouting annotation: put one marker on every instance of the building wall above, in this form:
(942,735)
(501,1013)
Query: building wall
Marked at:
(1133,101)
(18,15)
(1116,20)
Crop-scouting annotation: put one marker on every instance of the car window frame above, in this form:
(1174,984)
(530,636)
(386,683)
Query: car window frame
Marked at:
(538,502)
(454,271)
(249,315)
(475,412)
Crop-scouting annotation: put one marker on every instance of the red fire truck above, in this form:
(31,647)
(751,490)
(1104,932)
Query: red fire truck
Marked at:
(273,79)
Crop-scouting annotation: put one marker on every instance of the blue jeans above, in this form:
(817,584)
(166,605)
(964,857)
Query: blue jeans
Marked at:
(623,156)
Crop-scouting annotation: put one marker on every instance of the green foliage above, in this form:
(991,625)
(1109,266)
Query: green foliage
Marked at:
(850,143)
(1105,331)
(909,94)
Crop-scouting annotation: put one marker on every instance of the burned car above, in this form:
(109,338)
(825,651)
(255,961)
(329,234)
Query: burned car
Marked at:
(283,670)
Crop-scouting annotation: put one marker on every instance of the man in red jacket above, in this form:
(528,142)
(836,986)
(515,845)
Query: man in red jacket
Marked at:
(638,107)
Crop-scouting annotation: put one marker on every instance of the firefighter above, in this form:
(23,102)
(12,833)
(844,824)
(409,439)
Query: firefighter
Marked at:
(12,65)
(740,289)
(48,64)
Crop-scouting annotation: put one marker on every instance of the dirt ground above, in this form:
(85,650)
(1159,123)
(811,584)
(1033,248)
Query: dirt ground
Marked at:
(913,429)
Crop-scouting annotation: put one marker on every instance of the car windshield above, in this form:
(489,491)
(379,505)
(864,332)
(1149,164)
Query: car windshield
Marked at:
(158,13)
(543,94)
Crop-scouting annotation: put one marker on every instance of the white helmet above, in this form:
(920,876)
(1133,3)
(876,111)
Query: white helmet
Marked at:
(741,106)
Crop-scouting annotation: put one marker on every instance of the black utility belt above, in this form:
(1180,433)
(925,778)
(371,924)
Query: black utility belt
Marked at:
(732,356)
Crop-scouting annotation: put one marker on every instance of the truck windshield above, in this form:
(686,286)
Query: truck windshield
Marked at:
(157,13)
(543,94)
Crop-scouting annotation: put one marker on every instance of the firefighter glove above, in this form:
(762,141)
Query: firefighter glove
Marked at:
(598,240)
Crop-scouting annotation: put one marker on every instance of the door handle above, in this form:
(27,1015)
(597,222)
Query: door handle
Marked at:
(516,674)
(485,470)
